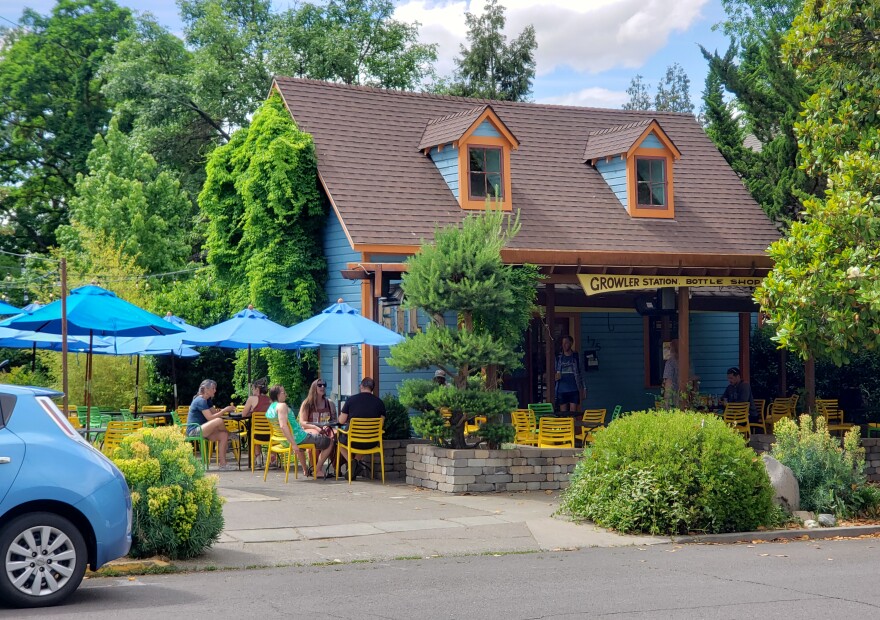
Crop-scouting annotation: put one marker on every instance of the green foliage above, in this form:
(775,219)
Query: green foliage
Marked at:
(673,92)
(496,434)
(829,475)
(490,67)
(350,41)
(823,295)
(750,19)
(720,123)
(136,206)
(265,217)
(432,426)
(670,472)
(471,402)
(177,510)
(52,107)
(413,393)
(397,423)
(22,375)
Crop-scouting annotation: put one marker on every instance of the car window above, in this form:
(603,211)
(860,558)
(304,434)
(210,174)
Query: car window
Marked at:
(7,405)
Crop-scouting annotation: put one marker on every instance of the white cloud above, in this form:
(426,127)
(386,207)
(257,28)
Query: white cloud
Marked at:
(585,35)
(591,98)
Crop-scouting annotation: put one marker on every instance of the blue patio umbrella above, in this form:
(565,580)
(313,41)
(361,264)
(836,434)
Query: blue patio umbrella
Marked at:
(338,325)
(160,345)
(6,308)
(93,311)
(249,329)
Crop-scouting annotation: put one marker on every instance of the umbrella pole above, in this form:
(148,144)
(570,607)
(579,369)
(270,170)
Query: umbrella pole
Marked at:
(34,358)
(339,379)
(89,384)
(137,379)
(174,380)
(249,370)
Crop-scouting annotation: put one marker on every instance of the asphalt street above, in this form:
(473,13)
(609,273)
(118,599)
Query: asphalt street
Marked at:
(772,580)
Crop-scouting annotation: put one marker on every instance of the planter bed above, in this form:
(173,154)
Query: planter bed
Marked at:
(523,468)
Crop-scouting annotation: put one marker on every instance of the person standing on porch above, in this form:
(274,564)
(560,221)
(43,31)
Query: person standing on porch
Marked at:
(670,377)
(570,390)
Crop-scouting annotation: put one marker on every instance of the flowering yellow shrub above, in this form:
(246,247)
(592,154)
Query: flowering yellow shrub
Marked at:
(177,510)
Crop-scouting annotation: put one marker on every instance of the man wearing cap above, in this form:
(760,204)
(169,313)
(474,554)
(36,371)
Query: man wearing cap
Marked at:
(440,377)
(739,392)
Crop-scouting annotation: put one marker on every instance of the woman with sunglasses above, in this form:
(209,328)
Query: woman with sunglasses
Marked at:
(317,409)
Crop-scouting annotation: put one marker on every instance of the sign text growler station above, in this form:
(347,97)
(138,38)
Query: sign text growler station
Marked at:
(594,284)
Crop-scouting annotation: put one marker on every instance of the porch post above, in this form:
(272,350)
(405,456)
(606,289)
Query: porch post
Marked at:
(369,309)
(810,382)
(783,373)
(684,339)
(549,345)
(745,341)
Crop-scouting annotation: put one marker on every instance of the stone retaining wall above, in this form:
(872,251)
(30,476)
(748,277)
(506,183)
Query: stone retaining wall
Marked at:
(395,457)
(521,469)
(762,443)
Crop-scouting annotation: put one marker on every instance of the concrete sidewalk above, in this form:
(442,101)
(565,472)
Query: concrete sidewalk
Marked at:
(314,521)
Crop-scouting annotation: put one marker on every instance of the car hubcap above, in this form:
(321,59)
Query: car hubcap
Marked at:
(40,560)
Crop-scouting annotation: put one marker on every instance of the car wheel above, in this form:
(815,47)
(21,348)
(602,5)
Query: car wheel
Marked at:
(44,559)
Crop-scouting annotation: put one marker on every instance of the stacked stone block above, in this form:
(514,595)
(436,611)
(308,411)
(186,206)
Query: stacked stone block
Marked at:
(475,471)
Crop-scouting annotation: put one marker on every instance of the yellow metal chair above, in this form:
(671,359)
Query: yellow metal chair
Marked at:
(593,420)
(362,431)
(761,424)
(473,427)
(833,414)
(74,420)
(556,432)
(279,445)
(261,433)
(737,416)
(526,427)
(157,421)
(780,408)
(116,431)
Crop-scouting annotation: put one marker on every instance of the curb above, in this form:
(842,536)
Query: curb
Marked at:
(129,567)
(803,534)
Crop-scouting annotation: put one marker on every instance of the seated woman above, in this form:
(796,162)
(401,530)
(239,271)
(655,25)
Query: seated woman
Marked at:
(259,402)
(210,419)
(317,409)
(297,433)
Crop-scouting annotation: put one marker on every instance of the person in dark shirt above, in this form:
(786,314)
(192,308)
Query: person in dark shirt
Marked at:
(739,392)
(362,405)
(210,419)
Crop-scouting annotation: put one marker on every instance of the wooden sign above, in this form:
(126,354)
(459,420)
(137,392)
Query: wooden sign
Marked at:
(595,284)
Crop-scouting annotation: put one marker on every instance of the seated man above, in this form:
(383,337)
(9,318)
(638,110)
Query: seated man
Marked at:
(739,392)
(362,405)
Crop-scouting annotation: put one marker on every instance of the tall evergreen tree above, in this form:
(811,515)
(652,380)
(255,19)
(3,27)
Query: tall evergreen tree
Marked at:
(674,91)
(721,126)
(489,67)
(638,95)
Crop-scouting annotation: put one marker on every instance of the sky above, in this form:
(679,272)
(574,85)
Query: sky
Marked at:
(588,50)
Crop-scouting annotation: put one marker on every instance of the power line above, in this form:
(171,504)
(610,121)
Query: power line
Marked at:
(30,256)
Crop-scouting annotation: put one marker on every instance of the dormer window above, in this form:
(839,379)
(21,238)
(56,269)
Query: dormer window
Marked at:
(636,161)
(485,172)
(479,142)
(651,182)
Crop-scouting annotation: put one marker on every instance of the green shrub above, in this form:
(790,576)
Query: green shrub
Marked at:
(177,510)
(829,475)
(670,472)
(397,424)
(413,393)
(496,434)
(433,427)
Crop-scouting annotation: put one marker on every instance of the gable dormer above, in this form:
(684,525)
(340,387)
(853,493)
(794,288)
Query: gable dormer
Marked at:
(636,160)
(471,149)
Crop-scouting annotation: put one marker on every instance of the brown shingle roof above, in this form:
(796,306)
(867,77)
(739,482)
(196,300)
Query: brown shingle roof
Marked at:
(449,128)
(614,140)
(387,192)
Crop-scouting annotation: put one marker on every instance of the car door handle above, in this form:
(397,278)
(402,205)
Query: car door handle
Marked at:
(4,460)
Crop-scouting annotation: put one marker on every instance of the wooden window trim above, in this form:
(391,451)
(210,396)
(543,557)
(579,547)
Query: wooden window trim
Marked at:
(464,180)
(500,150)
(653,207)
(632,185)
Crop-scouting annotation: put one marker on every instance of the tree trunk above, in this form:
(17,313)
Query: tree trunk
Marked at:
(458,439)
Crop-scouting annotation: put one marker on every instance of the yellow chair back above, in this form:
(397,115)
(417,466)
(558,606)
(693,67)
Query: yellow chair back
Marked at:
(526,427)
(596,419)
(737,415)
(116,431)
(556,433)
(363,431)
(74,421)
(761,424)
(261,431)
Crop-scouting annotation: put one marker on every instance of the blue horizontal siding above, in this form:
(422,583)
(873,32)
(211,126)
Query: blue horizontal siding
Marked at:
(714,348)
(447,163)
(620,378)
(614,173)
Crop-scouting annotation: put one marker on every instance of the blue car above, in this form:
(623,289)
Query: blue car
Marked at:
(63,504)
